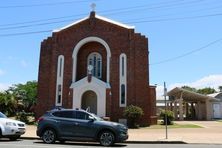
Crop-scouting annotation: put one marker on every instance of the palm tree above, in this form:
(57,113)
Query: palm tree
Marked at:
(8,103)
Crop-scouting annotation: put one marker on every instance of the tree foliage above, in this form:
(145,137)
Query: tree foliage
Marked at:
(204,91)
(26,93)
(189,88)
(8,103)
(220,88)
(18,97)
(167,117)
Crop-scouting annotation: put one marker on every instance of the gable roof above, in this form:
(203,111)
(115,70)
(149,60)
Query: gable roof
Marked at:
(216,95)
(98,17)
(84,81)
(189,95)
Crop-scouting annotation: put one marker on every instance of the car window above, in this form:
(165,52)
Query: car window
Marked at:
(82,115)
(65,114)
(2,115)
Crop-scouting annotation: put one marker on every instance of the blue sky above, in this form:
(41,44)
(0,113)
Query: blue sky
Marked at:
(185,37)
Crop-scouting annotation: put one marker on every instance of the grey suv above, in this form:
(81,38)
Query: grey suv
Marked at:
(80,125)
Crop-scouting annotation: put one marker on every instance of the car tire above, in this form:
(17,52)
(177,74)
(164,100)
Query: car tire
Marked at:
(106,138)
(49,136)
(14,138)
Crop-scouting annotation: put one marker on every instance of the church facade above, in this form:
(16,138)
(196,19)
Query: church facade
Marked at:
(96,64)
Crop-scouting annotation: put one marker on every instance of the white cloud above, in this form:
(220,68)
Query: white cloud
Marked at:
(23,63)
(4,86)
(212,81)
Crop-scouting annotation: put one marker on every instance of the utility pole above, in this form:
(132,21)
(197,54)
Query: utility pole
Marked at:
(165,93)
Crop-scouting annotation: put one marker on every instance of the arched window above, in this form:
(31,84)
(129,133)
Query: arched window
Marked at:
(59,81)
(95,59)
(122,80)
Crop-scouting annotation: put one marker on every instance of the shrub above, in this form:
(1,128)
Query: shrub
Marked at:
(24,117)
(133,113)
(169,116)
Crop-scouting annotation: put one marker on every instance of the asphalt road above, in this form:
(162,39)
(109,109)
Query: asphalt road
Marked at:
(4,143)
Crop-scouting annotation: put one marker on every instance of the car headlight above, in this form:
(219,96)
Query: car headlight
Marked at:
(10,124)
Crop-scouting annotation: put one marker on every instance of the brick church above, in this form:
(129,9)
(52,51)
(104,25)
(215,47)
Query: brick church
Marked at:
(96,64)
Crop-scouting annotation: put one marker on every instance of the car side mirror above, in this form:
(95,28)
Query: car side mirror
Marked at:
(91,119)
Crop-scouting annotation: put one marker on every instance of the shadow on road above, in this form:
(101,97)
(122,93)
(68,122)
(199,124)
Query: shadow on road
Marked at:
(83,144)
(7,140)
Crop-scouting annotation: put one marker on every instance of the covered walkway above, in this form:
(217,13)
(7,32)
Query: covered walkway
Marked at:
(190,105)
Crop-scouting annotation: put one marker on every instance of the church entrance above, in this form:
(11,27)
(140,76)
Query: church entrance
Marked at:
(89,101)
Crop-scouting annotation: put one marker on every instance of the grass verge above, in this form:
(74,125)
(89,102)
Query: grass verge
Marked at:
(159,126)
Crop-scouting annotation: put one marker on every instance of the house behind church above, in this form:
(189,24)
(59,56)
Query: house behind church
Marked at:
(99,64)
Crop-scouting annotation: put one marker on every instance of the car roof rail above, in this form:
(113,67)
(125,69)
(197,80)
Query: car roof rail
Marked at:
(58,108)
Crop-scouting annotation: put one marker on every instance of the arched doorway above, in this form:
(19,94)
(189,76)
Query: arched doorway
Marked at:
(89,100)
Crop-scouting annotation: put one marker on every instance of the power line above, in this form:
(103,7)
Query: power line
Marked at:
(119,11)
(178,18)
(188,53)
(44,4)
(142,21)
(41,20)
(134,22)
(25,33)
(39,24)
(156,7)
(130,22)
(170,14)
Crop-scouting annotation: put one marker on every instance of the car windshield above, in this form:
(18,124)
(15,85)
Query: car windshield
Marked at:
(96,117)
(2,115)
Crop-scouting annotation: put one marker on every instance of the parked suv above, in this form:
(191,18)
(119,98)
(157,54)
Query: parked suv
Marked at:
(69,124)
(11,129)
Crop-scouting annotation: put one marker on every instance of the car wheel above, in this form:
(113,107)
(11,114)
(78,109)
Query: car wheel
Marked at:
(14,138)
(106,138)
(49,136)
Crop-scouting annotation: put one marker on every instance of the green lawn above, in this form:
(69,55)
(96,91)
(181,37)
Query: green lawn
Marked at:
(159,126)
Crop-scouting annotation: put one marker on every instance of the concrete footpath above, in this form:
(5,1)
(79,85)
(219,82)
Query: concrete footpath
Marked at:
(210,133)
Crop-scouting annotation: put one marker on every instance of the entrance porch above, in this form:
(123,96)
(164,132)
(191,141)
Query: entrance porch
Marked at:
(90,95)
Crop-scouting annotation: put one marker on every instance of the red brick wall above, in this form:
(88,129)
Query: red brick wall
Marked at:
(120,40)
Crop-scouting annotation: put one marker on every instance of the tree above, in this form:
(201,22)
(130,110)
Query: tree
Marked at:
(133,113)
(189,88)
(220,88)
(25,93)
(167,116)
(206,90)
(8,103)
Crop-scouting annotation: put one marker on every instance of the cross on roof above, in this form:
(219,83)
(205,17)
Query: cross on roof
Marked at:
(93,6)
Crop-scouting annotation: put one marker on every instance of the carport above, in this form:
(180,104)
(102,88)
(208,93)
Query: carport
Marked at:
(190,105)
